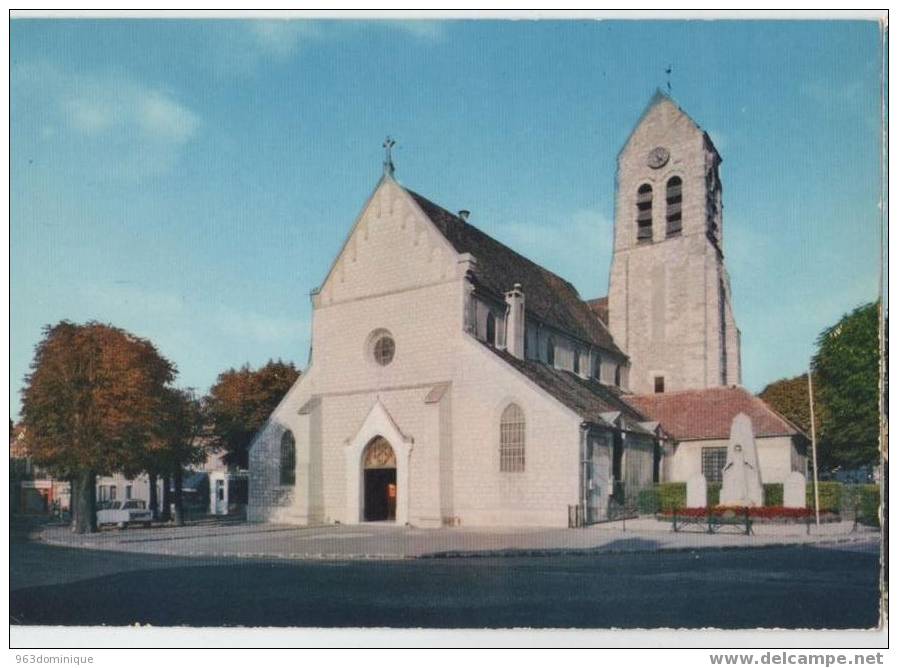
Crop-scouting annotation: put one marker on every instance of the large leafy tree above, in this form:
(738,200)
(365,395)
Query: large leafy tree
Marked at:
(90,406)
(847,365)
(176,443)
(789,398)
(240,402)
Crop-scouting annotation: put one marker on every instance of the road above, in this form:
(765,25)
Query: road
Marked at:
(790,587)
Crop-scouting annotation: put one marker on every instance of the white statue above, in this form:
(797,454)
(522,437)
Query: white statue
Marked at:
(741,475)
(794,491)
(696,492)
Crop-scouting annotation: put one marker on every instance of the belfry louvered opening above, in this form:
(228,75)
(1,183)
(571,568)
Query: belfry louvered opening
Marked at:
(674,206)
(644,213)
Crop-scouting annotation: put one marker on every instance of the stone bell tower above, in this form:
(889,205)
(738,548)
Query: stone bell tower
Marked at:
(669,292)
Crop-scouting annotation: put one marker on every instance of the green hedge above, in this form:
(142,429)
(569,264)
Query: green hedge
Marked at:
(671,495)
(830,496)
(648,501)
(773,494)
(833,497)
(868,506)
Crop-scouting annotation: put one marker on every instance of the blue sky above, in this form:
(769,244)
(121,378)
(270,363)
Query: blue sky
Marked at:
(191,181)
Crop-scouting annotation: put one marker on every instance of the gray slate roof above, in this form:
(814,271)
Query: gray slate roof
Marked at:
(588,398)
(547,296)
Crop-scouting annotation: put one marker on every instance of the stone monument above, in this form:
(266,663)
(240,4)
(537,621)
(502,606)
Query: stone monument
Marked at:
(741,475)
(795,491)
(696,492)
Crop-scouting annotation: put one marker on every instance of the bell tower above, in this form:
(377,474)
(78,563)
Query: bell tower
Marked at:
(669,292)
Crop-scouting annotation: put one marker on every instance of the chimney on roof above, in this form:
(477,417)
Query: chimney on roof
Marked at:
(463,214)
(514,321)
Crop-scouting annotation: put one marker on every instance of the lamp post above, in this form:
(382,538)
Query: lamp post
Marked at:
(814,448)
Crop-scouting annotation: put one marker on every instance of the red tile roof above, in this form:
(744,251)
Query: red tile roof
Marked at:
(690,415)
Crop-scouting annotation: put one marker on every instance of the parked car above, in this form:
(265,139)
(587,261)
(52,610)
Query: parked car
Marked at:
(123,513)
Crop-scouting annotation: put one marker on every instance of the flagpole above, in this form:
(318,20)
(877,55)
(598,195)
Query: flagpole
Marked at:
(814,448)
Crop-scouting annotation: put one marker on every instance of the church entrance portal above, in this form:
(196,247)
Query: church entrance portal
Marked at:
(379,469)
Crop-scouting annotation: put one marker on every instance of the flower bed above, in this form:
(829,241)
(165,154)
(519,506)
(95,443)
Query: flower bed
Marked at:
(764,514)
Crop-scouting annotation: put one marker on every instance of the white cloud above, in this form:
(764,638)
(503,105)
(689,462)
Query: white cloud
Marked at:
(101,104)
(424,30)
(160,116)
(280,39)
(241,48)
(576,246)
(106,125)
(88,116)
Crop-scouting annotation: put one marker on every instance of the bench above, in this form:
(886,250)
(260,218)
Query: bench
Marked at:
(714,523)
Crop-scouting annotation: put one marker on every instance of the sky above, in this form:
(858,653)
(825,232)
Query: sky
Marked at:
(192,181)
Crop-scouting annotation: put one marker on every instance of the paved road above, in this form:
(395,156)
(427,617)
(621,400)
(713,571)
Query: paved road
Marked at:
(792,587)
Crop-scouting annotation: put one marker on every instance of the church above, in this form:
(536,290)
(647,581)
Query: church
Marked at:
(454,382)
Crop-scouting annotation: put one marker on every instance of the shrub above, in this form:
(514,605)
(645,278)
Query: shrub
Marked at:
(830,496)
(773,494)
(648,501)
(761,513)
(671,495)
(868,504)
(714,493)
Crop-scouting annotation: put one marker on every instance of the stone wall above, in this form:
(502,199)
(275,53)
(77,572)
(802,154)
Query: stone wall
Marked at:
(777,457)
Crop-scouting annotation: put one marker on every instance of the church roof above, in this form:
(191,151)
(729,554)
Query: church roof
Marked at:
(599,307)
(586,397)
(550,298)
(660,97)
(690,415)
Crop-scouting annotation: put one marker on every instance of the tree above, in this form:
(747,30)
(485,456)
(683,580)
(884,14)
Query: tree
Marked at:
(177,444)
(239,404)
(789,398)
(172,446)
(90,406)
(847,364)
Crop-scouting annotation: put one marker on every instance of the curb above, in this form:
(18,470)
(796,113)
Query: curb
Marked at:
(596,551)
(456,554)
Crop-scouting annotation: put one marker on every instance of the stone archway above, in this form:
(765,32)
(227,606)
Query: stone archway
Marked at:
(379,481)
(377,425)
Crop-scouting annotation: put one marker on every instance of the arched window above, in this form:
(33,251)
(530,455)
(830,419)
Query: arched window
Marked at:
(644,213)
(550,351)
(288,459)
(491,329)
(674,206)
(576,360)
(511,440)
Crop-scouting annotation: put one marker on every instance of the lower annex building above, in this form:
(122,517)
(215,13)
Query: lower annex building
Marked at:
(453,381)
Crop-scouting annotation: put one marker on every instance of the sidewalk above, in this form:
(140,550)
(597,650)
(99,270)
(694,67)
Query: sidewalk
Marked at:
(387,541)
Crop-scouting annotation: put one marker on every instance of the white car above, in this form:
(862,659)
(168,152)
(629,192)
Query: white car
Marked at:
(123,513)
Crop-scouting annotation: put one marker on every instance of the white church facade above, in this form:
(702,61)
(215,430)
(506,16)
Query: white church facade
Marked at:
(452,381)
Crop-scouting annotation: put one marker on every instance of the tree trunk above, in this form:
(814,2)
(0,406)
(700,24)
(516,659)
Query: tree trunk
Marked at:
(154,496)
(84,503)
(179,497)
(165,516)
